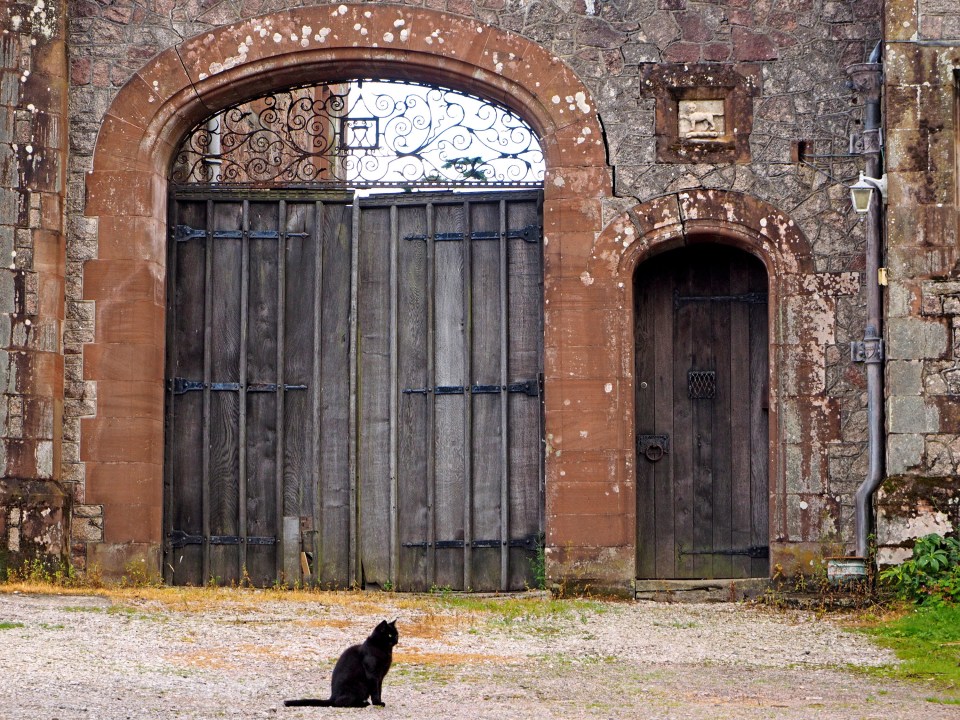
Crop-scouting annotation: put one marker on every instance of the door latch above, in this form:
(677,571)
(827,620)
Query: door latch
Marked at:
(653,447)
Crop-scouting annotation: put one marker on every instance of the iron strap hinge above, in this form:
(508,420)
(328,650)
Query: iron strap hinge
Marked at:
(756,552)
(182,233)
(530,234)
(179,386)
(751,298)
(179,539)
(530,388)
(531,542)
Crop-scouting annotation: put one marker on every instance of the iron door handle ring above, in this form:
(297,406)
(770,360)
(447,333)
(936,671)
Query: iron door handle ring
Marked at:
(653,447)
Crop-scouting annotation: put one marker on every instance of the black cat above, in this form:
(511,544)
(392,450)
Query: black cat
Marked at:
(359,672)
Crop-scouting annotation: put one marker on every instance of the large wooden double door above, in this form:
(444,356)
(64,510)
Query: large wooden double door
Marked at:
(701,414)
(353,389)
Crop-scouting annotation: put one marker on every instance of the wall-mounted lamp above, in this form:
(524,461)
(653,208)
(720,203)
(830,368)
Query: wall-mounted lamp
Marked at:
(862,191)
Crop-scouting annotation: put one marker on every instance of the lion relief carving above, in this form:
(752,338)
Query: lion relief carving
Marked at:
(701,119)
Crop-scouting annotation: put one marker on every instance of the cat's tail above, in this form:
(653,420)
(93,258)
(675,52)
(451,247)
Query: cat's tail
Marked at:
(309,702)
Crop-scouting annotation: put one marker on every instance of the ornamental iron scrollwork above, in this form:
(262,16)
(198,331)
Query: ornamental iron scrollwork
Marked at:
(359,134)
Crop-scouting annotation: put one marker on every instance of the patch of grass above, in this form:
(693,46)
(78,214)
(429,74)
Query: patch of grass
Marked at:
(10,625)
(927,642)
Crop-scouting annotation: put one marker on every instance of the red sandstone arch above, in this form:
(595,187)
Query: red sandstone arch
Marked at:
(122,445)
(737,219)
(695,216)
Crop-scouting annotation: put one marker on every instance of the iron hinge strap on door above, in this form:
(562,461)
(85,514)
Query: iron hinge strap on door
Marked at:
(530,388)
(179,386)
(531,542)
(756,552)
(179,539)
(751,298)
(183,233)
(530,234)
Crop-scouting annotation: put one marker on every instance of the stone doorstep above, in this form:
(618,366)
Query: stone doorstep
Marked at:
(696,591)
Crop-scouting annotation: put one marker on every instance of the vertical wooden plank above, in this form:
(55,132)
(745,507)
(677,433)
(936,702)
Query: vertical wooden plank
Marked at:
(336,451)
(290,560)
(702,353)
(300,362)
(645,343)
(394,394)
(449,362)
(373,394)
(722,415)
(354,339)
(185,494)
(466,373)
(525,363)
(759,421)
(316,487)
(684,447)
(504,457)
(740,396)
(261,439)
(666,471)
(244,339)
(334,396)
(486,427)
(282,549)
(227,289)
(413,499)
(207,398)
(431,260)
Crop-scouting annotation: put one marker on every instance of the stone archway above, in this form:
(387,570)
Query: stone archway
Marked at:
(121,445)
(800,303)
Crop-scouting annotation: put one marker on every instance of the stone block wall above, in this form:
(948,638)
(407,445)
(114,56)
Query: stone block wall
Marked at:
(922,55)
(793,56)
(34,506)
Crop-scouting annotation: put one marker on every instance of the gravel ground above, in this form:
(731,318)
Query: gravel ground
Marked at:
(238,654)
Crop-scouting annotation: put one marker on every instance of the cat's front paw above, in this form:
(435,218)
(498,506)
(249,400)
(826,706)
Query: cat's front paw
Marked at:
(380,704)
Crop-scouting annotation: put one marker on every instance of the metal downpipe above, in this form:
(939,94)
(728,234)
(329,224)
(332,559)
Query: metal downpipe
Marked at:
(868,79)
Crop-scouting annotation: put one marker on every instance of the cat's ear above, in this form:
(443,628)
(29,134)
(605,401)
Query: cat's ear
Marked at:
(383,625)
(393,623)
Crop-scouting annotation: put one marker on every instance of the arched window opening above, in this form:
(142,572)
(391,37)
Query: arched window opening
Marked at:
(363,134)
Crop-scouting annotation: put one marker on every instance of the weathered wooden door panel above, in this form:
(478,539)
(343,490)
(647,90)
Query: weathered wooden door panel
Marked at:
(415,413)
(249,427)
(186,447)
(522,455)
(701,379)
(266,392)
(448,456)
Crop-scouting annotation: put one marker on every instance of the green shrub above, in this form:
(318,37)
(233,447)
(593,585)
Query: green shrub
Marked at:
(932,575)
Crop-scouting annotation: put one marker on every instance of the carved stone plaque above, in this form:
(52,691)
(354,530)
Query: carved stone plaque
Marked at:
(704,113)
(700,119)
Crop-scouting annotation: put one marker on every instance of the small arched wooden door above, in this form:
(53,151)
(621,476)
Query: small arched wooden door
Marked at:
(701,414)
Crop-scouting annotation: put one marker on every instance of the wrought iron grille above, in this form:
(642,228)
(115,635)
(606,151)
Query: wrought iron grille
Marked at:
(701,384)
(363,133)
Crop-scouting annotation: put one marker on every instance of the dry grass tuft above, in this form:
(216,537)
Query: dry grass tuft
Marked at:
(416,657)
(338,623)
(431,626)
(207,659)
